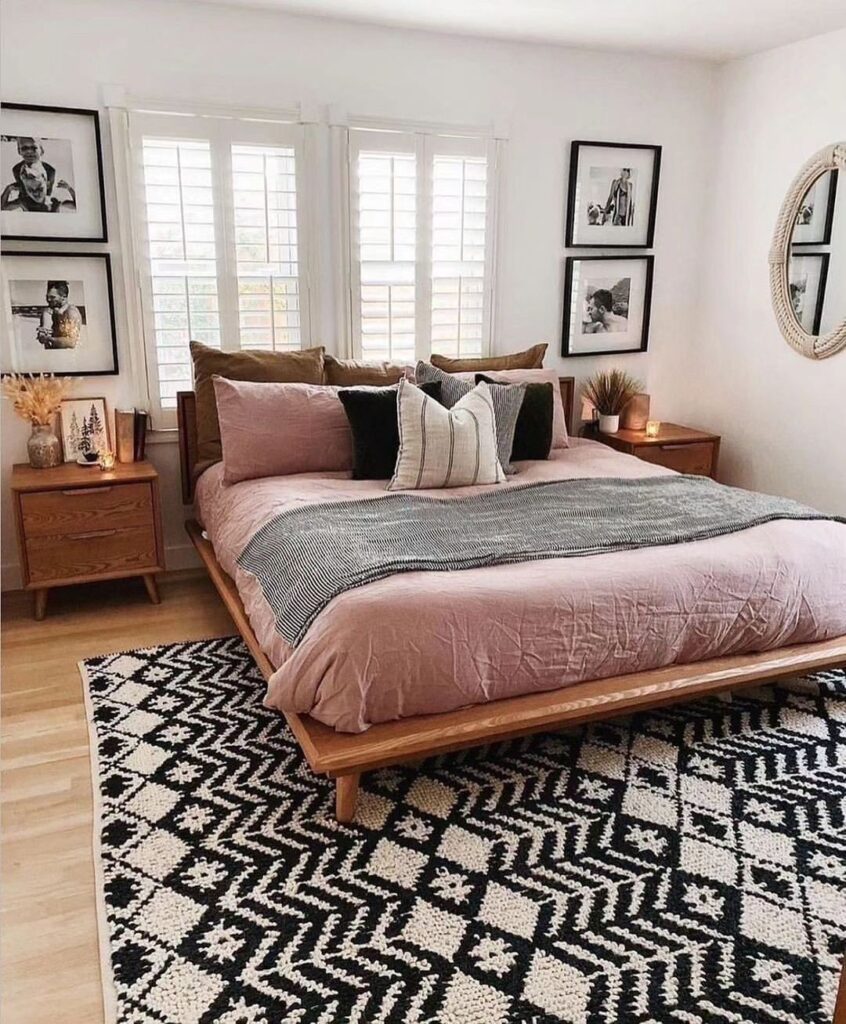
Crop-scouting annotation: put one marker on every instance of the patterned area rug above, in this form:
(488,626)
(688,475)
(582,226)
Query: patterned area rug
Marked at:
(684,866)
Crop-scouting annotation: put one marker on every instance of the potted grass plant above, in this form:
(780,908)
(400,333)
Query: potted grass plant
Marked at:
(609,391)
(36,399)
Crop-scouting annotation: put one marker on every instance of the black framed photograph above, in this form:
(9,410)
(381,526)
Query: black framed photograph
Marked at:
(816,212)
(607,301)
(612,195)
(59,310)
(51,175)
(806,278)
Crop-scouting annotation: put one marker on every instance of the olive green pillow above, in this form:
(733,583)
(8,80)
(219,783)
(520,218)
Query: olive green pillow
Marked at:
(302,367)
(531,359)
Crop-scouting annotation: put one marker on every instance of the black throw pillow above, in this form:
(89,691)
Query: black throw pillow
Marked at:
(372,413)
(533,433)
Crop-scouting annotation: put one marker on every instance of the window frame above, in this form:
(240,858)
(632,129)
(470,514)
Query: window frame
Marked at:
(426,143)
(222,131)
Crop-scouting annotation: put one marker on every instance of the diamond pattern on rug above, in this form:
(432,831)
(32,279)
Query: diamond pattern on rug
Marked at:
(686,865)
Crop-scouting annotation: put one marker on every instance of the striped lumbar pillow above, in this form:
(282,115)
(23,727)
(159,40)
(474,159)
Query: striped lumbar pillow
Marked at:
(442,447)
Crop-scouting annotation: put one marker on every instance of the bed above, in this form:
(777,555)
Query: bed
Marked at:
(509,650)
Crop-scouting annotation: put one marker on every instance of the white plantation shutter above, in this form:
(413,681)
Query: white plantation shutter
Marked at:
(264,183)
(421,239)
(217,214)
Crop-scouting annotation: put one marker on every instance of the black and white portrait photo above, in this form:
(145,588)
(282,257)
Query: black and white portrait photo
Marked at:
(59,314)
(53,313)
(612,195)
(51,163)
(36,174)
(806,279)
(816,212)
(606,304)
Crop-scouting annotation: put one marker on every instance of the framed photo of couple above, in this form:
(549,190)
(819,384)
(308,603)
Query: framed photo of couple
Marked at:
(612,195)
(607,302)
(51,175)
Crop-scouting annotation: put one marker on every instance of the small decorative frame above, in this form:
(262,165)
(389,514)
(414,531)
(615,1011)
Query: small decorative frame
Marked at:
(70,165)
(811,316)
(85,427)
(616,332)
(591,184)
(812,346)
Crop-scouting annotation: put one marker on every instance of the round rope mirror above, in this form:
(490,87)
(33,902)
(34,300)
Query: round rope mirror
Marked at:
(801,326)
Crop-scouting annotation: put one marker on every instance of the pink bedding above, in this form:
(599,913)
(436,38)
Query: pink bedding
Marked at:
(429,641)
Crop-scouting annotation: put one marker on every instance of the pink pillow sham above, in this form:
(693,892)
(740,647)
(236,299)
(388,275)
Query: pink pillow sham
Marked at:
(281,429)
(560,438)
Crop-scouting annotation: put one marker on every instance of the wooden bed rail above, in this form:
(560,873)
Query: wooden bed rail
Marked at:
(344,756)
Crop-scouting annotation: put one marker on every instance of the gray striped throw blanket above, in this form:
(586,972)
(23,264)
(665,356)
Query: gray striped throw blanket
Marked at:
(306,556)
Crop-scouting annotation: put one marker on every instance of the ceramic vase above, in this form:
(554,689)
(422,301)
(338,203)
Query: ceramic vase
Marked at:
(43,447)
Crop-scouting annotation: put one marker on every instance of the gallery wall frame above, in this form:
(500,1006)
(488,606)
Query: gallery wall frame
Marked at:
(26,316)
(577,283)
(625,231)
(20,219)
(827,218)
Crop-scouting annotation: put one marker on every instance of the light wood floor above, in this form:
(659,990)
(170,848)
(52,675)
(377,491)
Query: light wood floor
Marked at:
(50,958)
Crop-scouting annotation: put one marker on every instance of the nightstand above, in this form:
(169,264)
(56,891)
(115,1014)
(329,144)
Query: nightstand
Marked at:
(77,524)
(681,448)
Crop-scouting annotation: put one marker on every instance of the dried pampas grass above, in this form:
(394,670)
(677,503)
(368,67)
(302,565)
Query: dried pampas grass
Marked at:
(36,398)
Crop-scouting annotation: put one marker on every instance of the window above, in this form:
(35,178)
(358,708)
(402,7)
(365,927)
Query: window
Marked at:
(421,241)
(217,216)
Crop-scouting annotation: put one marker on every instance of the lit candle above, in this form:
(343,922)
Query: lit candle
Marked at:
(653,428)
(106,460)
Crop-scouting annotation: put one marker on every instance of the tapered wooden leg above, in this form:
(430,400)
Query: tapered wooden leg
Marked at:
(41,604)
(346,796)
(152,588)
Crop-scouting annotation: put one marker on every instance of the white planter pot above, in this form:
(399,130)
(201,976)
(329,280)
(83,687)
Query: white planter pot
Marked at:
(609,424)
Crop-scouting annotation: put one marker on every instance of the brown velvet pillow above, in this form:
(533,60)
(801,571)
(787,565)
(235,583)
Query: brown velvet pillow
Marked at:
(531,359)
(303,367)
(351,373)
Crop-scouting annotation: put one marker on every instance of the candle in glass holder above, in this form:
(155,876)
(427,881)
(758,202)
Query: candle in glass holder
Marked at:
(653,428)
(106,460)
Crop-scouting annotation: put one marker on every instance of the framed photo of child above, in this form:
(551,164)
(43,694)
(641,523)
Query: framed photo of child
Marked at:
(51,174)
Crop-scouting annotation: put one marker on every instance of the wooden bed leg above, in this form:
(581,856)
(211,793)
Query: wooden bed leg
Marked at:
(346,796)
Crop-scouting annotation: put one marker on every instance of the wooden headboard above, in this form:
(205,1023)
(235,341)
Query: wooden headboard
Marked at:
(186,416)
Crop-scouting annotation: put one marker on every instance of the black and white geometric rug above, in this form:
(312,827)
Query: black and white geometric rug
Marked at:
(685,866)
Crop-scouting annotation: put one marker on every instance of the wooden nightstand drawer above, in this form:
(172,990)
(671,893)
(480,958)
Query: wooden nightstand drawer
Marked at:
(77,524)
(82,510)
(97,552)
(697,459)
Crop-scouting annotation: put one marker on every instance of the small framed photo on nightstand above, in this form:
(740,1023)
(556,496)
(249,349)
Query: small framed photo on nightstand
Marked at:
(607,303)
(85,429)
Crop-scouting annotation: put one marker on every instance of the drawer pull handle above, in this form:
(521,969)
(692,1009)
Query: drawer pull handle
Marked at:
(94,533)
(673,447)
(87,490)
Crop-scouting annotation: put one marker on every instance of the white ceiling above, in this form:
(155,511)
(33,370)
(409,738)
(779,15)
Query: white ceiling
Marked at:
(709,29)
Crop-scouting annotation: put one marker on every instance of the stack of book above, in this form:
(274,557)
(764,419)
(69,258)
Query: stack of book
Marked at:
(130,434)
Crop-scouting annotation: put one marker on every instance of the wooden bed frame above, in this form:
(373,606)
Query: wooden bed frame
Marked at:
(344,756)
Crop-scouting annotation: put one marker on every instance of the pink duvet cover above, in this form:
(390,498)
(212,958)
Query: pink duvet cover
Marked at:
(434,641)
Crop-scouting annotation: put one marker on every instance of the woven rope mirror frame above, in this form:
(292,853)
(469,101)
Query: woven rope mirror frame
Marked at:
(813,346)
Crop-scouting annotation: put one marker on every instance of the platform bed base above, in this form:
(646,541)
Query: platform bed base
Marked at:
(344,756)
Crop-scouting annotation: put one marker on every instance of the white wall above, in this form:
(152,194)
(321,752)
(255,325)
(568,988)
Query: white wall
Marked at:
(781,415)
(546,95)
